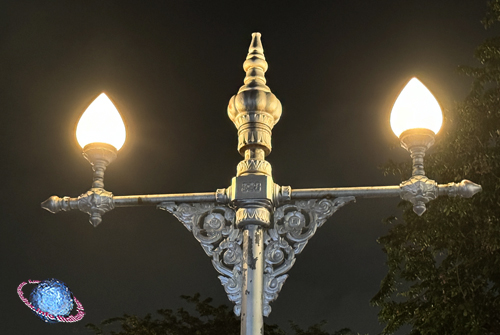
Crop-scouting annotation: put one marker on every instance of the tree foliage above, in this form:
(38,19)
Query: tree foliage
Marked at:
(444,267)
(207,320)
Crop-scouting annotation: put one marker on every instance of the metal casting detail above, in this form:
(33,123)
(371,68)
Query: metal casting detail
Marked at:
(285,194)
(464,189)
(294,224)
(54,204)
(213,225)
(96,202)
(419,190)
(254,166)
(255,109)
(220,196)
(258,215)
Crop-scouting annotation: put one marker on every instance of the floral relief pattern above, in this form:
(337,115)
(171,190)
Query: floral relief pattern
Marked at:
(294,224)
(213,226)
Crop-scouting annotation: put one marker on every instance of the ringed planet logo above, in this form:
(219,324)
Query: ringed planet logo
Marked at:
(52,301)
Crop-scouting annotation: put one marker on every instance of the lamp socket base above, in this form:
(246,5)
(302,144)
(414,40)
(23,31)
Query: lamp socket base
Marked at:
(100,153)
(420,138)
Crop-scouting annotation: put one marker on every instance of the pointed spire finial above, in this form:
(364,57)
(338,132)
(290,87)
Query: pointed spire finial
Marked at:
(255,109)
(255,48)
(255,65)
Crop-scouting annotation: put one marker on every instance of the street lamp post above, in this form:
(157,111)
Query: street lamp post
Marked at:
(253,229)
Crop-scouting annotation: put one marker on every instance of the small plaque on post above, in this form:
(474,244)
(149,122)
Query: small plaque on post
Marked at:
(252,187)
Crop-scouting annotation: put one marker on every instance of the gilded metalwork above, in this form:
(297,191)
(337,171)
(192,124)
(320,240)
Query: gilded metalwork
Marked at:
(254,110)
(254,166)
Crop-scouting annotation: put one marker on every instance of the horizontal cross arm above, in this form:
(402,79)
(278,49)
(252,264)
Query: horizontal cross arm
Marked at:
(155,199)
(465,189)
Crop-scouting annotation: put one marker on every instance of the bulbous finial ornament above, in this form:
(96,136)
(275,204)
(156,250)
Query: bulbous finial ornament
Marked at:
(254,110)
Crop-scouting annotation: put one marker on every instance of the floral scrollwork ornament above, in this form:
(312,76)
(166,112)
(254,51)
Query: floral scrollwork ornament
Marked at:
(229,254)
(294,224)
(419,190)
(279,257)
(213,225)
(96,202)
(208,222)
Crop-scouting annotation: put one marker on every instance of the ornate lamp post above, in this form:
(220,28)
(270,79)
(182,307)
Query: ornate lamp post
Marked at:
(253,229)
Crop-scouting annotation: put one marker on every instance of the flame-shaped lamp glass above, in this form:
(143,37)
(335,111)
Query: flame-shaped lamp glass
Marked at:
(416,107)
(101,123)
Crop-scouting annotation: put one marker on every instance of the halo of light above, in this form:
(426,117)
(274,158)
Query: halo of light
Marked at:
(52,301)
(416,107)
(101,123)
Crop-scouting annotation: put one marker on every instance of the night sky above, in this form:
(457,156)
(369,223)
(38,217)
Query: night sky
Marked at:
(171,68)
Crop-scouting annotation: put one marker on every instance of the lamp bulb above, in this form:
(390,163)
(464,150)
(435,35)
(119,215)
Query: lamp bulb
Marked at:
(416,107)
(101,123)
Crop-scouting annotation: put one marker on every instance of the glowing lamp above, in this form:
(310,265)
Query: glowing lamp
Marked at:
(101,123)
(416,108)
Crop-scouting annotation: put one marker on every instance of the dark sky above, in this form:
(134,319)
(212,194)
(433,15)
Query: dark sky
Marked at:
(171,67)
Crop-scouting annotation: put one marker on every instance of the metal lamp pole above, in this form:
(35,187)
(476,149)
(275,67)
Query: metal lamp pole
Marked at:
(253,229)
